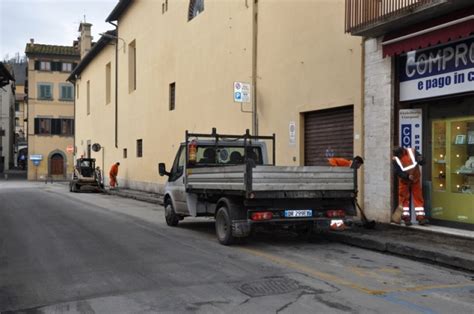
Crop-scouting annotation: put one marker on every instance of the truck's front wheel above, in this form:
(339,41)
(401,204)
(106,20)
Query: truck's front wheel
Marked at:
(224,226)
(171,218)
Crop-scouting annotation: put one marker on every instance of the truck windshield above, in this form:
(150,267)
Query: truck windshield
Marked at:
(227,155)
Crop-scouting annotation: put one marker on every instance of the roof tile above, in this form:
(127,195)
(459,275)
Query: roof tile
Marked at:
(52,50)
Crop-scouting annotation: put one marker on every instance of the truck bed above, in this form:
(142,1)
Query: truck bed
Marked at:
(242,178)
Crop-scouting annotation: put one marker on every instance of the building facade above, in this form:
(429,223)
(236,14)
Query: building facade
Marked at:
(419,92)
(20,68)
(50,110)
(7,103)
(167,68)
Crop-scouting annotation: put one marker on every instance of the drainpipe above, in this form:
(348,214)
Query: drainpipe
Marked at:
(362,120)
(254,66)
(116,86)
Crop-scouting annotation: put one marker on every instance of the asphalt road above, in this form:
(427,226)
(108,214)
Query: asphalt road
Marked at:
(90,253)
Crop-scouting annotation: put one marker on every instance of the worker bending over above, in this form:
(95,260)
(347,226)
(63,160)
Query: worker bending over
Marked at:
(406,164)
(355,163)
(113,174)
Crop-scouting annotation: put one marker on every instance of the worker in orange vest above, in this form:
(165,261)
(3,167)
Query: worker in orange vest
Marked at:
(113,174)
(355,163)
(406,164)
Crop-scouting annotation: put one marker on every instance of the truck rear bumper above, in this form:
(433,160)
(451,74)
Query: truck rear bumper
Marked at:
(242,228)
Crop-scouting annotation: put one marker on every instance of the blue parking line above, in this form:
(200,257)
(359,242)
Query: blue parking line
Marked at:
(412,306)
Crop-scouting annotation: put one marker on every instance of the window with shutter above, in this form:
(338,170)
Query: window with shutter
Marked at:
(45,66)
(42,126)
(56,126)
(66,92)
(67,127)
(66,67)
(45,91)
(36,126)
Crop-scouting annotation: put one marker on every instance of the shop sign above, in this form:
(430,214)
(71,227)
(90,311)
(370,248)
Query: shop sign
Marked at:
(439,71)
(411,128)
(36,157)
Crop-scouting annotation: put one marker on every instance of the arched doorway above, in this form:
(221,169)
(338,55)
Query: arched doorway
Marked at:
(57,164)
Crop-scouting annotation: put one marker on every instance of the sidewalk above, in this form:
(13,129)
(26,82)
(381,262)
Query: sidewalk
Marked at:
(13,174)
(439,245)
(143,196)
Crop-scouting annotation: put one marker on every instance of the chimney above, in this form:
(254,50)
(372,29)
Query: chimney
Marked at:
(32,41)
(85,40)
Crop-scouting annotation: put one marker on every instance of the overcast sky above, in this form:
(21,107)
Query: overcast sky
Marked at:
(48,22)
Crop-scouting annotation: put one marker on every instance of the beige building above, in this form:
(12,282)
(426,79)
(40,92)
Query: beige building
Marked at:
(177,65)
(50,110)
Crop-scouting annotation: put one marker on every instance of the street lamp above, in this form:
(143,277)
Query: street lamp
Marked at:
(114,37)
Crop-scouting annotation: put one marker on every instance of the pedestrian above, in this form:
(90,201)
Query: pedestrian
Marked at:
(406,164)
(113,175)
(355,163)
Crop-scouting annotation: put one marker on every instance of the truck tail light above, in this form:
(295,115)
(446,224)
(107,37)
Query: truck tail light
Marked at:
(337,213)
(258,216)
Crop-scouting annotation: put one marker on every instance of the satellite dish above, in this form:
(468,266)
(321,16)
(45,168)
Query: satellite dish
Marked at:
(96,147)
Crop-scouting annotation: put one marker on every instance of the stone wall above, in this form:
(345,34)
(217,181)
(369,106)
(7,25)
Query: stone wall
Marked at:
(378,126)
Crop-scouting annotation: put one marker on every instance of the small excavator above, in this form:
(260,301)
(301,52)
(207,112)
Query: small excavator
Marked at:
(86,175)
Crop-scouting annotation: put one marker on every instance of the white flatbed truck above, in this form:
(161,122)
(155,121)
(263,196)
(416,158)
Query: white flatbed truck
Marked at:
(229,178)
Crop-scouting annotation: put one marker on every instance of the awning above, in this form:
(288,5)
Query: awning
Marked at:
(431,33)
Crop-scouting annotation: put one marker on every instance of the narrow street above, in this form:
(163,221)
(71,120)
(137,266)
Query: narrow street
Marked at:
(93,253)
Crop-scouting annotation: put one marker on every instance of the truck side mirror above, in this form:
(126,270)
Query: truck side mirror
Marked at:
(162,169)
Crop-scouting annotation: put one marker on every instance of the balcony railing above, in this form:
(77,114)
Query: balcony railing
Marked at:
(364,13)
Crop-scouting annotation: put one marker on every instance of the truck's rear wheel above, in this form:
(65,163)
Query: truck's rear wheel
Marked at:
(224,226)
(170,215)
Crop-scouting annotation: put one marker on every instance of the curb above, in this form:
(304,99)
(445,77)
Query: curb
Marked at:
(143,198)
(407,250)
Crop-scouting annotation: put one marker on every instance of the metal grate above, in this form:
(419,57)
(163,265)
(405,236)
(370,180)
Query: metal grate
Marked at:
(269,286)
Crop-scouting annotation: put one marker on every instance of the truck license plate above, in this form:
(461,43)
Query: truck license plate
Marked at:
(298,213)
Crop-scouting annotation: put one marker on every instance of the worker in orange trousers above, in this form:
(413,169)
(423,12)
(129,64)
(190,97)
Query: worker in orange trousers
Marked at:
(406,164)
(113,174)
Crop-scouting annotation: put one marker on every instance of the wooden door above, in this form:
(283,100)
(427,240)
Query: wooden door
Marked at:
(57,165)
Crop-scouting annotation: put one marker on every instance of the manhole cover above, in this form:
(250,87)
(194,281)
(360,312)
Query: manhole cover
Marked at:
(269,286)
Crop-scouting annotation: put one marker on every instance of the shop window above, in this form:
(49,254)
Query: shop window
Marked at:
(45,91)
(196,7)
(452,170)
